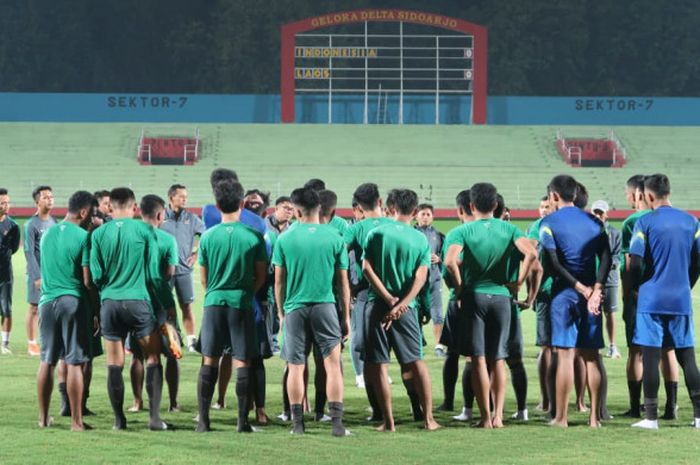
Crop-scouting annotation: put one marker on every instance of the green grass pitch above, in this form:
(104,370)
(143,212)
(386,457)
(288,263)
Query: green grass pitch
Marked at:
(531,443)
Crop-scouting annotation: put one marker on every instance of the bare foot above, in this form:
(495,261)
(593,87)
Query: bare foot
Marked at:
(383,428)
(485,424)
(261,417)
(45,423)
(582,408)
(497,422)
(431,425)
(594,423)
(80,427)
(137,407)
(559,424)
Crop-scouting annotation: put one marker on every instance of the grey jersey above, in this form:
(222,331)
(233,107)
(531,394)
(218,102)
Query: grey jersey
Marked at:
(184,227)
(9,243)
(435,239)
(615,239)
(34,230)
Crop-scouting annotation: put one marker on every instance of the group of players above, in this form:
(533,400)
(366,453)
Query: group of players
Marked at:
(314,282)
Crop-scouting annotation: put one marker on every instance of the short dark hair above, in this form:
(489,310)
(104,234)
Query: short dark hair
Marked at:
(484,196)
(222,174)
(121,197)
(659,184)
(544,198)
(316,184)
(150,205)
(3,191)
(80,200)
(265,196)
(228,194)
(636,182)
(306,199)
(390,198)
(463,200)
(425,206)
(581,199)
(500,206)
(99,195)
(329,200)
(367,195)
(565,186)
(282,199)
(405,201)
(38,190)
(173,190)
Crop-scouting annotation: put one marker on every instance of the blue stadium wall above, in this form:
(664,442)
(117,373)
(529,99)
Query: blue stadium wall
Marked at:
(349,109)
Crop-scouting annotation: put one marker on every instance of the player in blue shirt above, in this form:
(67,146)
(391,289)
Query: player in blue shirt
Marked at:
(572,239)
(665,259)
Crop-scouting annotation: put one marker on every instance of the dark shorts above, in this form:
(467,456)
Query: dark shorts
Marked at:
(610,299)
(543,310)
(33,294)
(132,342)
(515,335)
(121,317)
(572,325)
(63,331)
(657,330)
(357,322)
(226,327)
(6,299)
(454,334)
(404,337)
(184,288)
(629,316)
(436,313)
(488,319)
(314,324)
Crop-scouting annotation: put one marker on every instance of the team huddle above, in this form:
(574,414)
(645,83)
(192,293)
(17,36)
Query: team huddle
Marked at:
(311,285)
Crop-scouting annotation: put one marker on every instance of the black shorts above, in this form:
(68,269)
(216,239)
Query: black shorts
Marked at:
(6,299)
(543,312)
(488,319)
(315,324)
(404,337)
(234,328)
(454,334)
(515,335)
(121,317)
(629,316)
(63,331)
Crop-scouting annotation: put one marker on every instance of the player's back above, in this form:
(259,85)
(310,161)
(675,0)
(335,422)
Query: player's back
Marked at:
(577,237)
(395,250)
(310,253)
(120,254)
(666,238)
(63,252)
(488,245)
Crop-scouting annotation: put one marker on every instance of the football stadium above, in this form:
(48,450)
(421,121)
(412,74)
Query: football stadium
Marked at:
(374,232)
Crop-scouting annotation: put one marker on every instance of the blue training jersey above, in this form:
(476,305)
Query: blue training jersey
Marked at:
(578,238)
(666,239)
(212,216)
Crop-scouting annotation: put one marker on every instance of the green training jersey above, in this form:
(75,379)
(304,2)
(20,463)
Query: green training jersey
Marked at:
(229,252)
(310,254)
(356,237)
(64,252)
(340,224)
(122,252)
(395,251)
(167,256)
(627,228)
(487,246)
(533,233)
(445,274)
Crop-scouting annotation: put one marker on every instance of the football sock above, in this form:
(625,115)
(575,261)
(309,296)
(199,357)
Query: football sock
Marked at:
(115,389)
(297,419)
(686,359)
(205,391)
(336,411)
(242,390)
(650,381)
(450,371)
(519,381)
(154,388)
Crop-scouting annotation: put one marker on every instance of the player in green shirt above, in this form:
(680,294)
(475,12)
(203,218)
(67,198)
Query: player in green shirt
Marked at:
(233,264)
(487,245)
(308,260)
(369,206)
(62,309)
(396,262)
(634,191)
(121,256)
(153,213)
